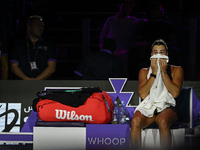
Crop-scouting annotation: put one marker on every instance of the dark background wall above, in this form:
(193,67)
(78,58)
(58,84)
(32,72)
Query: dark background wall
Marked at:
(74,28)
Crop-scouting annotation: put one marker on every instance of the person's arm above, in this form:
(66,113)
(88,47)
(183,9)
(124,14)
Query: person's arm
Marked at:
(104,33)
(14,62)
(144,84)
(174,86)
(48,71)
(4,67)
(17,71)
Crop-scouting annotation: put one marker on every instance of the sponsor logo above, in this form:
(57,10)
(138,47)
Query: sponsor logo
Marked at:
(27,111)
(106,141)
(71,115)
(10,116)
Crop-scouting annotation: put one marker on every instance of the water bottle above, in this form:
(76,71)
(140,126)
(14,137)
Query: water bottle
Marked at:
(115,114)
(122,113)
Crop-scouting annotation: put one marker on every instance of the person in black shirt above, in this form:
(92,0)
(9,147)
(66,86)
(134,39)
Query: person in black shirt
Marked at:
(33,58)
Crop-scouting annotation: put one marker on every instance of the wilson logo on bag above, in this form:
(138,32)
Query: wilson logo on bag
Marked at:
(63,114)
(97,109)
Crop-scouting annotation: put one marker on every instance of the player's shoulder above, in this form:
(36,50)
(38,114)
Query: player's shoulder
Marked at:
(144,70)
(176,68)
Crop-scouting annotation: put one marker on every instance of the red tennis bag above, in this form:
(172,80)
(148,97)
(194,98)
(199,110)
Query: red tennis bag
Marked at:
(97,109)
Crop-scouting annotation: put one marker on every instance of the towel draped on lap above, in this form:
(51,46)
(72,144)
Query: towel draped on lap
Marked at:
(159,97)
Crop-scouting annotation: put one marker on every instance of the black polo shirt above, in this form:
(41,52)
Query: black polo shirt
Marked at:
(43,52)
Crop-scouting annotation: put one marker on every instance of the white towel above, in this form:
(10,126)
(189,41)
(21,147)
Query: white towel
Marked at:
(159,97)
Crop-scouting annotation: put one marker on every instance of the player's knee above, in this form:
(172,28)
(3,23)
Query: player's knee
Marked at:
(135,123)
(163,123)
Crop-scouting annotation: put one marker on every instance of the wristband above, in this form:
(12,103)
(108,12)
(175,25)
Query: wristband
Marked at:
(153,75)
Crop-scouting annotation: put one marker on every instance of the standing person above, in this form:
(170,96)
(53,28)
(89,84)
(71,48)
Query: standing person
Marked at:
(122,28)
(159,85)
(33,58)
(100,65)
(3,61)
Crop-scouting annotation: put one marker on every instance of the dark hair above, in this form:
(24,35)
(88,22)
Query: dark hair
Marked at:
(29,21)
(110,44)
(159,42)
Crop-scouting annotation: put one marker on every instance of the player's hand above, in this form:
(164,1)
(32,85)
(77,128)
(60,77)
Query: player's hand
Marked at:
(163,65)
(154,65)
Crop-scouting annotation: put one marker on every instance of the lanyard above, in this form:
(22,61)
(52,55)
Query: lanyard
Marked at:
(28,51)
